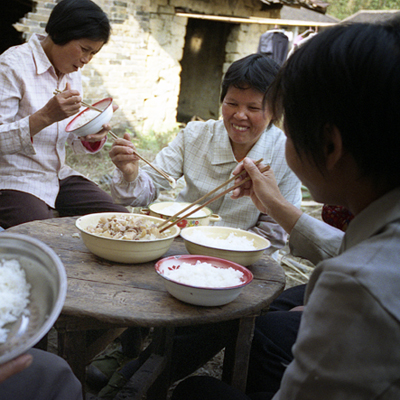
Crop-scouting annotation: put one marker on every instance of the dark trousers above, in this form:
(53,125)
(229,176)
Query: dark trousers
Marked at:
(274,336)
(77,196)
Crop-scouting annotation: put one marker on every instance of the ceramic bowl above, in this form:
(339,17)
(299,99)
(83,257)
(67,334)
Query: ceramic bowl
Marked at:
(202,296)
(124,251)
(157,210)
(228,252)
(45,273)
(88,121)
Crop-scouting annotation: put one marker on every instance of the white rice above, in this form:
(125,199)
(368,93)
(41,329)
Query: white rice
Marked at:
(232,242)
(205,275)
(176,207)
(14,294)
(85,118)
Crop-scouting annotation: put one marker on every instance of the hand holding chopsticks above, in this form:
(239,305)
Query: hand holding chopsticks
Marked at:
(171,180)
(266,168)
(204,197)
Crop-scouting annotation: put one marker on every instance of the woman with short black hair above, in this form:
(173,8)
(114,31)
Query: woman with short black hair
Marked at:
(34,179)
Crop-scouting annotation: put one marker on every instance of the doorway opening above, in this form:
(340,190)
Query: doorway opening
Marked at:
(10,13)
(201,74)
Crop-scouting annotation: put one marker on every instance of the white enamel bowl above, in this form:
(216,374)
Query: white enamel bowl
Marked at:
(45,273)
(242,257)
(157,210)
(202,296)
(95,124)
(124,251)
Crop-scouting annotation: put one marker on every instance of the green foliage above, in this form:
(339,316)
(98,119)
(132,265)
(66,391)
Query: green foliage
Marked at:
(344,8)
(154,141)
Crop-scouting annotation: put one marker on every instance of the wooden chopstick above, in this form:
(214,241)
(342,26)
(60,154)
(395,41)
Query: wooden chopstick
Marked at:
(266,168)
(82,102)
(161,172)
(115,137)
(205,196)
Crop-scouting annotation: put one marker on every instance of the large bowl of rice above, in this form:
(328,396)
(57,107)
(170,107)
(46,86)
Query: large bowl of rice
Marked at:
(167,209)
(202,280)
(89,121)
(125,237)
(242,247)
(33,286)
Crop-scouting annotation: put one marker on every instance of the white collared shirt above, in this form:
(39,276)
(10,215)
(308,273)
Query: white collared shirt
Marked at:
(27,82)
(202,153)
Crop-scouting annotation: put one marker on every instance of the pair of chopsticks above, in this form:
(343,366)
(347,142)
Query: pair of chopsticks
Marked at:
(163,228)
(171,180)
(57,91)
(115,137)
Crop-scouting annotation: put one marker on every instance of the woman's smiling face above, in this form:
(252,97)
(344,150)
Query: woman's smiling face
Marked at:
(244,117)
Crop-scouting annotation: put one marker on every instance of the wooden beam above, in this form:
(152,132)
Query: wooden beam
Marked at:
(254,20)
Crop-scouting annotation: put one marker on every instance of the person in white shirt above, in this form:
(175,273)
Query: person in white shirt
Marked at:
(34,179)
(206,153)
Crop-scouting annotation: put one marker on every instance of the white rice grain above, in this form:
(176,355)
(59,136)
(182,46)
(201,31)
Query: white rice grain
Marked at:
(14,294)
(232,242)
(205,275)
(176,207)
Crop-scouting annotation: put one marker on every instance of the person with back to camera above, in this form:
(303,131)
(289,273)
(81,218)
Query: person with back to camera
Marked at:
(344,144)
(206,153)
(34,179)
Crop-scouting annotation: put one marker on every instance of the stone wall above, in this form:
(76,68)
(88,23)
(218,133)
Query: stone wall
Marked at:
(140,66)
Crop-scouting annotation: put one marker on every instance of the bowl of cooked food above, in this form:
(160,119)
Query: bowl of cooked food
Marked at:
(90,121)
(167,209)
(203,280)
(237,245)
(33,286)
(125,237)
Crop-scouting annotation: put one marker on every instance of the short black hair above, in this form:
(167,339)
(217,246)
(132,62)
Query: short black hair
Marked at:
(255,71)
(78,19)
(349,77)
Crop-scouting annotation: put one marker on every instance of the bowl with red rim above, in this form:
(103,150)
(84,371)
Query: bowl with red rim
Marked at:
(89,121)
(203,280)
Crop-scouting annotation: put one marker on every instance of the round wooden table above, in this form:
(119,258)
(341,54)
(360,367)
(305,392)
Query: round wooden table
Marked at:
(111,297)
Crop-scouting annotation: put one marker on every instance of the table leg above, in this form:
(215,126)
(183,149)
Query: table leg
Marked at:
(152,378)
(72,347)
(237,354)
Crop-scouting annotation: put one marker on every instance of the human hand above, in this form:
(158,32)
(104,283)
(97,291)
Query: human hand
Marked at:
(297,308)
(262,188)
(15,366)
(123,155)
(265,194)
(63,105)
(97,137)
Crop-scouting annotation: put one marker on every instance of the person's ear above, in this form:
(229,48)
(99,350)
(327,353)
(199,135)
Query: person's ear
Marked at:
(333,146)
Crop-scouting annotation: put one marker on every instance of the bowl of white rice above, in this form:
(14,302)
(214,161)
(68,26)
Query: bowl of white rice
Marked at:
(89,121)
(242,247)
(125,237)
(33,286)
(202,280)
(167,209)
